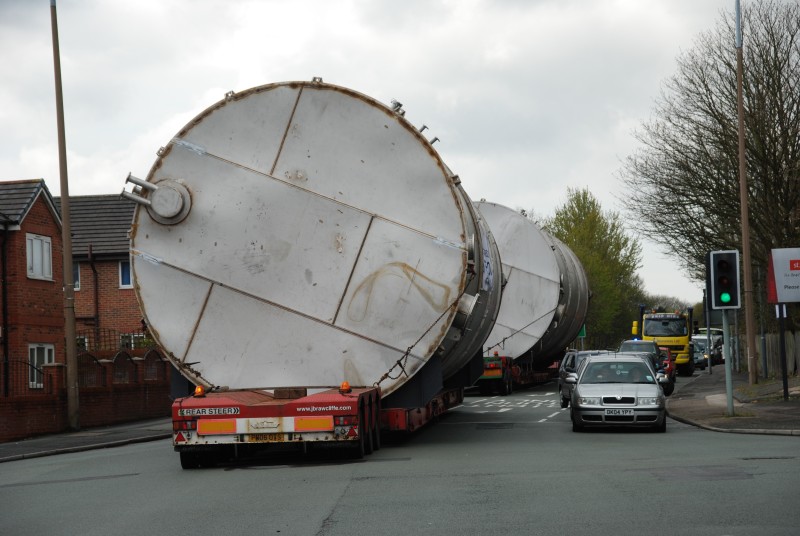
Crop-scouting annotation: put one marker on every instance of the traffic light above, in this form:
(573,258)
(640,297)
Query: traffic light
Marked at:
(723,276)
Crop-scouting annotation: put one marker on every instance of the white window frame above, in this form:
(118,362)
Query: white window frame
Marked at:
(39,250)
(122,284)
(82,342)
(76,275)
(39,355)
(131,341)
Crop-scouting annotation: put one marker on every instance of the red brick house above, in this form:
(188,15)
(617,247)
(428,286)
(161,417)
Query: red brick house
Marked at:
(107,315)
(31,284)
(121,375)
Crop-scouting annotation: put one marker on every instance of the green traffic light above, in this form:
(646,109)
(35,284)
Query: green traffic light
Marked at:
(725,297)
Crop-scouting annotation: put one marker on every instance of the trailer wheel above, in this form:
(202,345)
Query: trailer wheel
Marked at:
(506,387)
(376,431)
(190,460)
(358,450)
(366,427)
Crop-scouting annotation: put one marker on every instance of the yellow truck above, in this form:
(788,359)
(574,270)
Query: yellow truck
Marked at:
(669,330)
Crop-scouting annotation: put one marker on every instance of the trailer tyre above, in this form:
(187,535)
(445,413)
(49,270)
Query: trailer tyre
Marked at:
(359,449)
(506,387)
(191,460)
(376,431)
(368,430)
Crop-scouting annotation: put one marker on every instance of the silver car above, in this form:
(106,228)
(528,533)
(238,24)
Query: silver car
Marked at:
(617,391)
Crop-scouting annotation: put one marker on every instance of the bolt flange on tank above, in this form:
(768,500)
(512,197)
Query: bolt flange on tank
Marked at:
(168,201)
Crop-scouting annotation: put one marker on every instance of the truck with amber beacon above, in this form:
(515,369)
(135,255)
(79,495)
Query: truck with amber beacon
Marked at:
(670,330)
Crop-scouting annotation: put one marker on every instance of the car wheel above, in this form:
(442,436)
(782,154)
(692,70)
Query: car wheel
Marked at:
(661,428)
(576,426)
(669,388)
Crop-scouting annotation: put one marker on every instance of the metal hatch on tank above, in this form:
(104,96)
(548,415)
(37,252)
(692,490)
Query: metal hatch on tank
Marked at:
(302,233)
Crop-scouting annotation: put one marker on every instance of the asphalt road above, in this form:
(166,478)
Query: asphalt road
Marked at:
(496,465)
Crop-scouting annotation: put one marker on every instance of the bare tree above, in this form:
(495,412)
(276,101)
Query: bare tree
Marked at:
(683,184)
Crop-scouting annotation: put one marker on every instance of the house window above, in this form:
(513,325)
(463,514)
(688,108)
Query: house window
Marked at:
(39,355)
(131,341)
(76,275)
(40,257)
(125,274)
(82,343)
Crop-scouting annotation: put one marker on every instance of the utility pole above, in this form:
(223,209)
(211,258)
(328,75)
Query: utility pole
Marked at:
(70,348)
(749,318)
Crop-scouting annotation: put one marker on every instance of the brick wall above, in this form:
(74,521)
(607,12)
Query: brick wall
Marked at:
(44,411)
(117,309)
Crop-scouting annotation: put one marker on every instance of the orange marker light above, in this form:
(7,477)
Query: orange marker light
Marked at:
(199,391)
(345,387)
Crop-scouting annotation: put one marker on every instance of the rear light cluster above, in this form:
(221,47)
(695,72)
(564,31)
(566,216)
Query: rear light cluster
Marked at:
(346,420)
(178,426)
(493,365)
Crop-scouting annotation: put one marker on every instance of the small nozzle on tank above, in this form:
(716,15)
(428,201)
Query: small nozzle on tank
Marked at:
(168,201)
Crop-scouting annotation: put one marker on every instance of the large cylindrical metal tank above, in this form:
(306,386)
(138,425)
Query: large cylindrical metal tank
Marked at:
(546,294)
(573,304)
(303,234)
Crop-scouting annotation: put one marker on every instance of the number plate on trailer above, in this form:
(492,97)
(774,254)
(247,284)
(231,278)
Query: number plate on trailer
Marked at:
(493,372)
(265,438)
(623,412)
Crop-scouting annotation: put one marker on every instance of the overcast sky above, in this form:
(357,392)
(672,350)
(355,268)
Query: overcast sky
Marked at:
(527,97)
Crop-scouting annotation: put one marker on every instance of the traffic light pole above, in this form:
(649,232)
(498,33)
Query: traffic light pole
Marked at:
(726,356)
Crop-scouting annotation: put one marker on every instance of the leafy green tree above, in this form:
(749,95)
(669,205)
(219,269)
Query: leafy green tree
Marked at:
(610,258)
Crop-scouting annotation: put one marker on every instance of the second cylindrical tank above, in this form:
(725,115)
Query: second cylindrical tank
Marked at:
(546,293)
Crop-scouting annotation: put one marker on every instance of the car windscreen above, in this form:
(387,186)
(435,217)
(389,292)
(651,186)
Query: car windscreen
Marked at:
(618,372)
(661,327)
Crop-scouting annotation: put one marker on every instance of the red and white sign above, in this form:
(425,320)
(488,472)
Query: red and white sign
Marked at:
(783,278)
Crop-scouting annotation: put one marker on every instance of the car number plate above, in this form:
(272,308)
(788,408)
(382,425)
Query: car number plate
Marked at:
(265,438)
(624,412)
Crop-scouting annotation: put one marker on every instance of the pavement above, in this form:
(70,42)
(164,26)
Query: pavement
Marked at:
(700,400)
(762,408)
